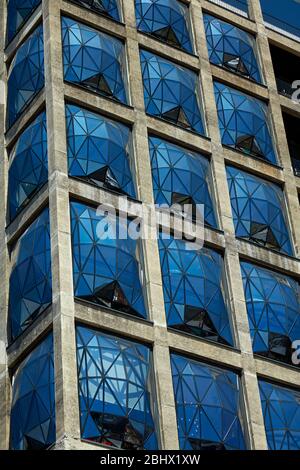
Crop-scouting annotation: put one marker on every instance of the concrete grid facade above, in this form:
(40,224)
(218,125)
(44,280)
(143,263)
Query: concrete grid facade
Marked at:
(65,312)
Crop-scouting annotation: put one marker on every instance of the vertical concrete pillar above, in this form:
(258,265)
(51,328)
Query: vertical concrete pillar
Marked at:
(291,193)
(161,354)
(66,389)
(4,261)
(240,319)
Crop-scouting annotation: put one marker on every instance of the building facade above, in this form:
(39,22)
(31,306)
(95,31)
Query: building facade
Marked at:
(130,344)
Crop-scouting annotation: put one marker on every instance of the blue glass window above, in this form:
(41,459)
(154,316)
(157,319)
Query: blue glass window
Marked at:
(286,19)
(208,403)
(18,12)
(106,269)
(99,150)
(239,6)
(33,401)
(93,60)
(244,123)
(171,92)
(167,20)
(281,410)
(115,391)
(194,288)
(273,305)
(181,177)
(259,212)
(26,75)
(104,7)
(231,48)
(30,288)
(28,168)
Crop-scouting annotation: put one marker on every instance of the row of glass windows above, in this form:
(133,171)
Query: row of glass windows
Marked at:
(96,61)
(108,272)
(118,406)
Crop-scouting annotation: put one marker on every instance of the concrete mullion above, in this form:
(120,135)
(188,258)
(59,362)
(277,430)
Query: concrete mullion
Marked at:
(161,355)
(66,387)
(5,385)
(232,263)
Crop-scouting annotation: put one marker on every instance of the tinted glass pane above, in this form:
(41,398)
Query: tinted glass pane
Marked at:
(18,11)
(115,391)
(33,402)
(104,7)
(26,75)
(179,174)
(208,404)
(171,92)
(93,60)
(194,288)
(244,123)
(28,168)
(273,305)
(99,150)
(106,269)
(30,287)
(231,48)
(165,19)
(258,210)
(281,410)
(285,17)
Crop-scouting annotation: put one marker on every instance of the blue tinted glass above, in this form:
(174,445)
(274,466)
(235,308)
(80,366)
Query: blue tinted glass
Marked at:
(244,123)
(115,388)
(208,405)
(166,19)
(241,5)
(171,92)
(281,410)
(194,288)
(30,287)
(231,48)
(258,210)
(26,75)
(181,177)
(18,11)
(106,269)
(99,150)
(284,16)
(273,305)
(32,422)
(93,59)
(28,168)
(104,7)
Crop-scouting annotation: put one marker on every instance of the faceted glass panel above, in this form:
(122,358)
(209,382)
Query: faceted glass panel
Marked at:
(99,150)
(30,287)
(171,92)
(244,123)
(26,75)
(105,266)
(178,173)
(281,410)
(18,12)
(104,7)
(165,19)
(93,60)
(194,288)
(115,391)
(232,48)
(259,212)
(273,305)
(28,167)
(32,421)
(208,403)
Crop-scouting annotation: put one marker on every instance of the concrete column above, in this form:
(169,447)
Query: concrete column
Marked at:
(161,354)
(66,388)
(4,260)
(240,319)
(291,193)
